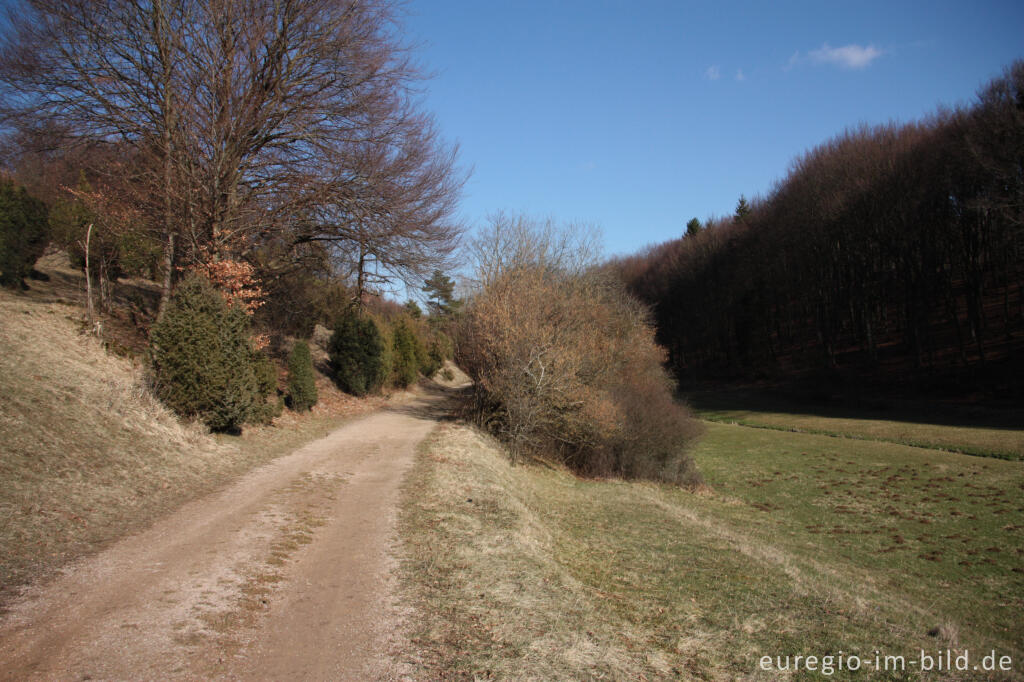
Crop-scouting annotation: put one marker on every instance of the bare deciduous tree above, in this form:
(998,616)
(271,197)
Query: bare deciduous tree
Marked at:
(243,116)
(388,214)
(565,366)
(103,72)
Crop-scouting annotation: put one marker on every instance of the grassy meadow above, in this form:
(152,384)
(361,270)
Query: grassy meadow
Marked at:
(800,544)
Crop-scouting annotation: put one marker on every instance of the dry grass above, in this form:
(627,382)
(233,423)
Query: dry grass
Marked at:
(89,455)
(802,544)
(458,377)
(493,600)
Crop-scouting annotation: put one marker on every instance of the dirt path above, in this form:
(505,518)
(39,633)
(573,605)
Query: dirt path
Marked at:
(283,575)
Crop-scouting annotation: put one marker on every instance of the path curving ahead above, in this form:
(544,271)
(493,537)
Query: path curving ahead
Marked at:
(286,574)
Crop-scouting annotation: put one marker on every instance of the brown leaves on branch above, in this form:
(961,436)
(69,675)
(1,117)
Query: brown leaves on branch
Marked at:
(109,208)
(236,281)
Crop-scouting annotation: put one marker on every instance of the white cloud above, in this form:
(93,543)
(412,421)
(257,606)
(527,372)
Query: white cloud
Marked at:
(847,57)
(739,75)
(713,73)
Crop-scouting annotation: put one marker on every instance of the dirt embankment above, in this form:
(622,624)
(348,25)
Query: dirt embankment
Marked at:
(87,454)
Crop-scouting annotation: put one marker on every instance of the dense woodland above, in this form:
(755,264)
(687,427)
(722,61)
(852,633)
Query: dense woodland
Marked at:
(891,254)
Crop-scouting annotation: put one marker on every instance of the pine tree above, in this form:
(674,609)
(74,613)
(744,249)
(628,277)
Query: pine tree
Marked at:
(693,227)
(742,210)
(441,290)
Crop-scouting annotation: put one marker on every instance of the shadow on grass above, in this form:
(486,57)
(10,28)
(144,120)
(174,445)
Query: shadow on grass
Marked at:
(937,412)
(60,283)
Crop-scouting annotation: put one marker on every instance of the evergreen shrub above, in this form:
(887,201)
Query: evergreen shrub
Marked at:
(357,353)
(201,357)
(406,360)
(24,232)
(268,404)
(302,393)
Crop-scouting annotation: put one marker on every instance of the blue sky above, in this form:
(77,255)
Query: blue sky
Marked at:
(636,116)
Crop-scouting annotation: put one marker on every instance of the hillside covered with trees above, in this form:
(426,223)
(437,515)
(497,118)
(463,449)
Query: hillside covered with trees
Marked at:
(268,165)
(286,136)
(889,254)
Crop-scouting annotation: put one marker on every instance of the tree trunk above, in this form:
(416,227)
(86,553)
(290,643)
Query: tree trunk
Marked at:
(168,279)
(88,279)
(361,278)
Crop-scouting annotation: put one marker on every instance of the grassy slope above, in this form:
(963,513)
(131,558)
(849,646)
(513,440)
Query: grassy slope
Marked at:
(804,544)
(87,455)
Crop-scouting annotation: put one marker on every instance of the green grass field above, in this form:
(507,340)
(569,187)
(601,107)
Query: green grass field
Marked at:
(802,544)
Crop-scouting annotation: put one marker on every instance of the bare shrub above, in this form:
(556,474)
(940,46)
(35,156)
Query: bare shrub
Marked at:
(510,242)
(566,365)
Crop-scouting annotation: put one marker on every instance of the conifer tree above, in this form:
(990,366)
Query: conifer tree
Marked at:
(23,232)
(441,290)
(742,210)
(357,354)
(692,227)
(406,362)
(268,405)
(201,357)
(302,394)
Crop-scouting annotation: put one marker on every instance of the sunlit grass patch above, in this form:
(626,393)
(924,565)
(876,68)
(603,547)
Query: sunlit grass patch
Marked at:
(936,528)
